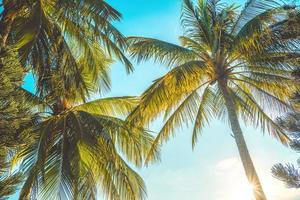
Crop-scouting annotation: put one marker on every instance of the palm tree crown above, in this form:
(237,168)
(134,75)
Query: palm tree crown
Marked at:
(229,65)
(71,153)
(75,146)
(76,37)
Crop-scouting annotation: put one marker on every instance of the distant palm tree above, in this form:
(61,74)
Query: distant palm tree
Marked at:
(14,113)
(289,173)
(75,146)
(230,65)
(71,153)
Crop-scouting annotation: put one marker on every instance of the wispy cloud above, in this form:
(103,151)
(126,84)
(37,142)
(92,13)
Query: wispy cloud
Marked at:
(227,164)
(233,183)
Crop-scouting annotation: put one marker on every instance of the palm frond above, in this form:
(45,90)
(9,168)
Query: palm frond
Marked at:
(167,53)
(169,89)
(75,152)
(258,117)
(252,9)
(185,112)
(197,22)
(110,106)
(204,112)
(288,174)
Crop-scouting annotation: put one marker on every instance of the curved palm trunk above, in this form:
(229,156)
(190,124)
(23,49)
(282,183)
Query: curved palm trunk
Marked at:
(241,144)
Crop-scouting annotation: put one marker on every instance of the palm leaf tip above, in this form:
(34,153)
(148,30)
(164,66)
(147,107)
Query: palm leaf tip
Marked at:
(288,173)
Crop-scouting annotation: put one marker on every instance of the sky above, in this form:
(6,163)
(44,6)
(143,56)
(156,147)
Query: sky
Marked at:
(212,171)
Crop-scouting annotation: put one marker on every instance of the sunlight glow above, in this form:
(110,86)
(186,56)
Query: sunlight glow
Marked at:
(243,192)
(236,185)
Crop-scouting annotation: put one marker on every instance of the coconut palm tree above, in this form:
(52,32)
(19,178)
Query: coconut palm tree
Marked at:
(14,113)
(231,65)
(78,147)
(75,145)
(84,146)
(44,30)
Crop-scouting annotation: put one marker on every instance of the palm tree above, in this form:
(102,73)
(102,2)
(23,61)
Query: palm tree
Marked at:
(75,145)
(290,173)
(82,147)
(54,34)
(14,113)
(231,65)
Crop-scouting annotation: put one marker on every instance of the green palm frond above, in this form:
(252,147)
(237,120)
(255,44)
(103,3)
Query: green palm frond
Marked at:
(35,101)
(184,113)
(203,113)
(9,185)
(258,116)
(170,54)
(76,38)
(14,115)
(71,154)
(97,18)
(167,91)
(110,106)
(252,9)
(197,26)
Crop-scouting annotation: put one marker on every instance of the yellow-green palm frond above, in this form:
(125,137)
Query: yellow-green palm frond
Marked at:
(94,69)
(46,33)
(111,106)
(196,25)
(167,91)
(71,154)
(203,21)
(114,174)
(9,185)
(184,113)
(176,95)
(250,37)
(94,21)
(265,32)
(200,49)
(167,53)
(204,113)
(281,88)
(275,61)
(252,9)
(256,115)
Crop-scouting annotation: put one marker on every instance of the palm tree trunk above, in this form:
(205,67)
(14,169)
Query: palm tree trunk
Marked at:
(241,144)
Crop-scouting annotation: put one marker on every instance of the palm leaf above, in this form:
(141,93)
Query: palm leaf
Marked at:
(170,54)
(110,106)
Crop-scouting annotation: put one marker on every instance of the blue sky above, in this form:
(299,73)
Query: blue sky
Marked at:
(213,170)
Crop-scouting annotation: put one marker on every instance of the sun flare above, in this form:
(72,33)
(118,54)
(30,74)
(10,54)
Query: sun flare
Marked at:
(234,188)
(244,191)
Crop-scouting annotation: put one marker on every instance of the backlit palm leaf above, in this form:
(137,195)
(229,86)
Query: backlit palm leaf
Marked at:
(71,36)
(73,152)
